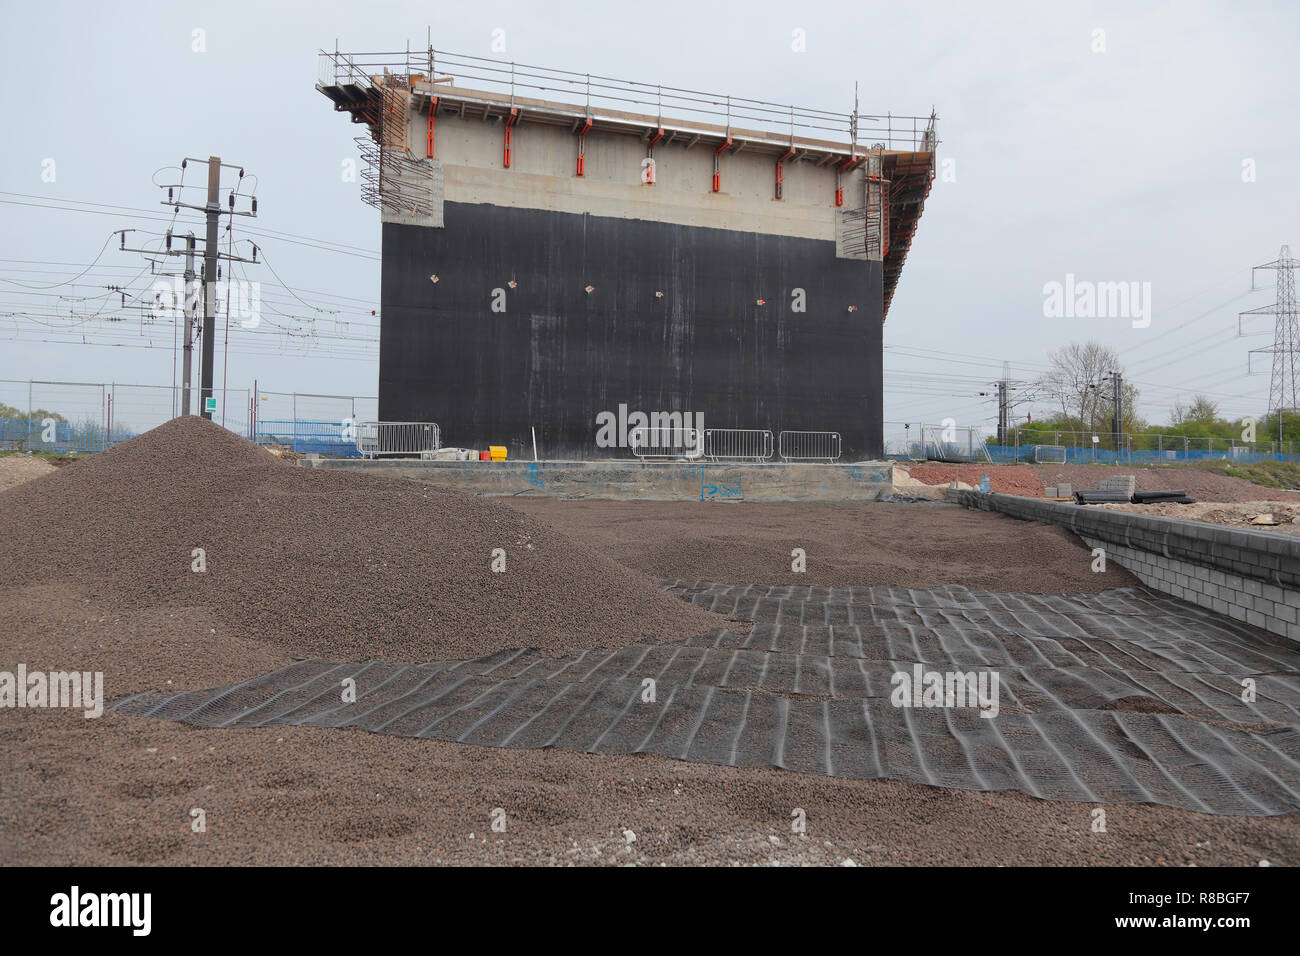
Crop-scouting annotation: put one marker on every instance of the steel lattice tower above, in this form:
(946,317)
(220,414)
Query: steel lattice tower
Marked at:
(1284,389)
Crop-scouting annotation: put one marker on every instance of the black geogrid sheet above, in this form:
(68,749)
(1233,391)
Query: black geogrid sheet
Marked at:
(1123,696)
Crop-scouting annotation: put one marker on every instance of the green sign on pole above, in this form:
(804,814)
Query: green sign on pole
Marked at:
(210,404)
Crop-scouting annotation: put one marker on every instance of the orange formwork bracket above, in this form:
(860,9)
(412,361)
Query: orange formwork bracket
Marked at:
(433,112)
(780,166)
(851,162)
(511,119)
(582,146)
(717,163)
(648,169)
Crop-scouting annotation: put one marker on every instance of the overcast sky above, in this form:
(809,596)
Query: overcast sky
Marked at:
(1115,142)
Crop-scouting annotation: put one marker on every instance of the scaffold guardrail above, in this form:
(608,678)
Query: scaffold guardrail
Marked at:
(886,130)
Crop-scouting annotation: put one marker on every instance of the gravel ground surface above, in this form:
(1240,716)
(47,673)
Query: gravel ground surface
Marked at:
(1201,483)
(1237,514)
(917,545)
(94,575)
(17,469)
(119,790)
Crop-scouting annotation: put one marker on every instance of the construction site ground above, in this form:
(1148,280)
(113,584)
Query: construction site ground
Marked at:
(1221,498)
(1202,483)
(95,575)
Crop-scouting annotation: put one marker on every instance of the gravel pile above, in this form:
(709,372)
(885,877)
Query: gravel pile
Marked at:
(319,563)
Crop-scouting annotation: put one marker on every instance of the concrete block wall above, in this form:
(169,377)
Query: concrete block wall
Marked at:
(1251,576)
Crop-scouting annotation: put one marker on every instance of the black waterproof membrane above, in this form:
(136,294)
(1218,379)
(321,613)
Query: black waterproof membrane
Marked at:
(1122,696)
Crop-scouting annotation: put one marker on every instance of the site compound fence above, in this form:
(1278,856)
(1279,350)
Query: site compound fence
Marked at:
(738,444)
(809,446)
(668,441)
(84,417)
(329,438)
(951,443)
(978,443)
(397,438)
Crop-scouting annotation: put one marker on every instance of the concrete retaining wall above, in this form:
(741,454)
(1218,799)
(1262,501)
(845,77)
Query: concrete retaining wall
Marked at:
(643,481)
(1251,576)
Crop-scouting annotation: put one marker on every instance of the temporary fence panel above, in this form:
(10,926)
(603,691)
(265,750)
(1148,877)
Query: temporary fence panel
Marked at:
(82,417)
(742,444)
(334,439)
(55,437)
(954,443)
(277,411)
(809,446)
(669,441)
(397,438)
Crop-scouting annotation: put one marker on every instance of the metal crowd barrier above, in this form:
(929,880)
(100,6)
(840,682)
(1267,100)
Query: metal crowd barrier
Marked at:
(809,446)
(666,442)
(397,438)
(743,444)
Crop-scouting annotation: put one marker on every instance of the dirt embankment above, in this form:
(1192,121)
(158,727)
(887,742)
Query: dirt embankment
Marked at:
(1204,484)
(907,545)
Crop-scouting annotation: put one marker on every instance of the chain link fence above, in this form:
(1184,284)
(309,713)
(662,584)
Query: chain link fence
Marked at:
(83,417)
(909,441)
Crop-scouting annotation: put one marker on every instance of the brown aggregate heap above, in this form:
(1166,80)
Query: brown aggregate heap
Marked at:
(318,563)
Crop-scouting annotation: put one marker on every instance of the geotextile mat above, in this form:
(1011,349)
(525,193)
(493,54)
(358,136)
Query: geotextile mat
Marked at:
(1122,696)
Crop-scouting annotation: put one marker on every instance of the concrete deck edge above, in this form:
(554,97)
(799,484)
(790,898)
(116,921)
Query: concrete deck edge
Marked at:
(638,481)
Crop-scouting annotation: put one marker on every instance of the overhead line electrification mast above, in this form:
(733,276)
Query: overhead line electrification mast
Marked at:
(1284,387)
(212,212)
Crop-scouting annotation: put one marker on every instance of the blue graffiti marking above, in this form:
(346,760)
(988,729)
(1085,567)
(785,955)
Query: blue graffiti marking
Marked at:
(715,492)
